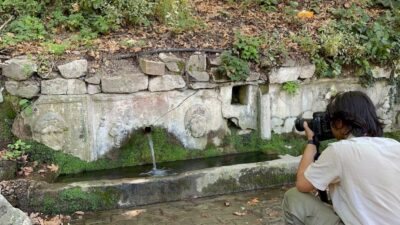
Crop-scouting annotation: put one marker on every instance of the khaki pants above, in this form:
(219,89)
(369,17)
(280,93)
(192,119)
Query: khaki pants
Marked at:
(304,208)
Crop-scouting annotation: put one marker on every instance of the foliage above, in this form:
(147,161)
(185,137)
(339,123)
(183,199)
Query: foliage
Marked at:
(177,14)
(233,67)
(291,87)
(275,50)
(247,47)
(15,150)
(25,28)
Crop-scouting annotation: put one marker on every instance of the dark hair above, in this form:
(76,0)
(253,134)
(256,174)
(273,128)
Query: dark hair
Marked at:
(357,111)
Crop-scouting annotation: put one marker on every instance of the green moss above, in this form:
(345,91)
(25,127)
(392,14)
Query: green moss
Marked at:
(394,135)
(77,199)
(7,115)
(222,186)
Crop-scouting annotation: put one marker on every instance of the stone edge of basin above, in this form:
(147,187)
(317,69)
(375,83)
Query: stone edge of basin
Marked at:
(192,184)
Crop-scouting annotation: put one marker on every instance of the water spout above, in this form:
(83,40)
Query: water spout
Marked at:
(154,171)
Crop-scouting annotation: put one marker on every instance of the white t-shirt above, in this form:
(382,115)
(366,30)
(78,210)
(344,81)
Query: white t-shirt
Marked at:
(363,175)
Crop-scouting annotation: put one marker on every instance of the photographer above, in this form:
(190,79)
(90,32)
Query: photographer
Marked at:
(361,170)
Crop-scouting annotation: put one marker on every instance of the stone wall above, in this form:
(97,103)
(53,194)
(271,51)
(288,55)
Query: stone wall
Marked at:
(87,109)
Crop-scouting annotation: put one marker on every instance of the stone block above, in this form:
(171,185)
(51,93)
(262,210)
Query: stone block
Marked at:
(173,63)
(11,215)
(199,76)
(197,62)
(23,89)
(74,69)
(166,83)
(381,72)
(152,67)
(285,74)
(19,68)
(94,89)
(265,117)
(93,80)
(127,83)
(60,86)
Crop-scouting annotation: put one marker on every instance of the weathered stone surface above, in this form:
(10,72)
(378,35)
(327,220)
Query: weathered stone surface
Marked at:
(60,86)
(214,61)
(173,63)
(8,169)
(166,83)
(19,68)
(49,75)
(93,80)
(74,69)
(381,72)
(285,74)
(127,83)
(23,89)
(219,77)
(89,126)
(314,96)
(288,125)
(199,76)
(243,115)
(197,62)
(93,89)
(265,116)
(200,183)
(152,67)
(11,215)
(253,76)
(202,85)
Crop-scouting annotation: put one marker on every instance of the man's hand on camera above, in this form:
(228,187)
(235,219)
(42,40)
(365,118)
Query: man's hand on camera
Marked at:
(309,132)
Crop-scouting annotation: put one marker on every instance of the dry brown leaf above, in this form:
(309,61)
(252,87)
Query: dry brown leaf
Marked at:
(53,168)
(253,201)
(240,213)
(133,213)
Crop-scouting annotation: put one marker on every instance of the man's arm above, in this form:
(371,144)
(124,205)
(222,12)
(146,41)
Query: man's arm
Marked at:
(302,184)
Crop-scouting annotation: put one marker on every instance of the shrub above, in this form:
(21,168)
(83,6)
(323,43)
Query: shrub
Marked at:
(233,67)
(247,47)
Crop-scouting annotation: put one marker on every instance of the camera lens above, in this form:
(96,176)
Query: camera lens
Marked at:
(298,124)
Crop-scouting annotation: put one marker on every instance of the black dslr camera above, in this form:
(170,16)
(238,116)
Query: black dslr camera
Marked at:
(319,124)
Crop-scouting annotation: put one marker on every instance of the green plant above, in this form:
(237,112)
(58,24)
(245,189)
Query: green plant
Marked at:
(275,50)
(25,105)
(25,28)
(247,47)
(16,150)
(55,48)
(233,67)
(291,87)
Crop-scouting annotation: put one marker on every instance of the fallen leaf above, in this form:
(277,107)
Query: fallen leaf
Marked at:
(133,213)
(304,14)
(53,168)
(240,213)
(227,204)
(253,201)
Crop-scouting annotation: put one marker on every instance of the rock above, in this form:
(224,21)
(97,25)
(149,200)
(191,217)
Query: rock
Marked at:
(23,89)
(253,76)
(127,83)
(214,61)
(60,86)
(93,80)
(285,74)
(381,72)
(289,125)
(166,83)
(19,68)
(173,63)
(197,62)
(74,69)
(8,169)
(199,76)
(11,215)
(93,89)
(50,75)
(152,67)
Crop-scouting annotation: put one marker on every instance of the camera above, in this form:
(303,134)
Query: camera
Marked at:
(319,124)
